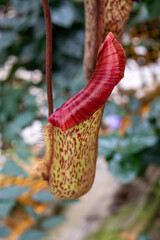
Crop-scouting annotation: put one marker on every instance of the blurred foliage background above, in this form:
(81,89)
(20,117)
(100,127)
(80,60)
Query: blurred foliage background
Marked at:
(130,133)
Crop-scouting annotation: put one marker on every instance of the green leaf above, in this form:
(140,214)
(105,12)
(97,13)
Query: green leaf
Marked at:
(10,133)
(23,151)
(5,207)
(144,237)
(124,169)
(7,39)
(107,145)
(11,107)
(31,212)
(113,108)
(134,104)
(23,119)
(136,143)
(11,168)
(139,127)
(12,191)
(155,109)
(32,235)
(39,32)
(67,202)
(58,102)
(28,52)
(153,8)
(29,100)
(52,222)
(20,121)
(43,196)
(64,15)
(13,23)
(141,16)
(4,231)
(150,156)
(73,45)
(4,1)
(78,82)
(25,5)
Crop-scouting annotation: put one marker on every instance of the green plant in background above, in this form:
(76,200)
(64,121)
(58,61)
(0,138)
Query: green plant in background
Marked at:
(144,11)
(21,36)
(129,155)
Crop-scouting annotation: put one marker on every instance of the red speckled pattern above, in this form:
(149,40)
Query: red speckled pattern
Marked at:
(71,166)
(72,131)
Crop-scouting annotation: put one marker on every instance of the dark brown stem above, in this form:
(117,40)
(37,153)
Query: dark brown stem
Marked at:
(48,54)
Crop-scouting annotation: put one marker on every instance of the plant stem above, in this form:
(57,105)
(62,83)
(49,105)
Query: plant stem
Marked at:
(48,54)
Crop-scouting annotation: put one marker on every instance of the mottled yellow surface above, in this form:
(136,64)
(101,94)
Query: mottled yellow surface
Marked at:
(71,157)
